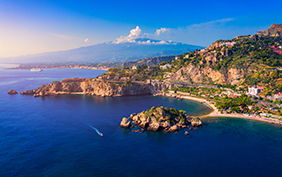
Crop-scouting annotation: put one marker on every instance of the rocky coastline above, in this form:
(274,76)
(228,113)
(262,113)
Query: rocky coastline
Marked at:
(161,119)
(99,87)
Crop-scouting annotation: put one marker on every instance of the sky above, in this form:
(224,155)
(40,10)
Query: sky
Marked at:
(38,26)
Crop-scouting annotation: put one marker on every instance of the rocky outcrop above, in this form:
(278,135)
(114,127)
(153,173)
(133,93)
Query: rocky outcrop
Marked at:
(28,92)
(99,87)
(160,119)
(173,128)
(196,122)
(12,92)
(125,123)
(275,30)
(192,73)
(154,126)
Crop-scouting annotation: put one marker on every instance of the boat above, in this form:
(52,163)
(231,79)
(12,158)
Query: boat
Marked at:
(36,69)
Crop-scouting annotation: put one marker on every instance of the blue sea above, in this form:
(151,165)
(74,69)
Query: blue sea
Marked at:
(50,136)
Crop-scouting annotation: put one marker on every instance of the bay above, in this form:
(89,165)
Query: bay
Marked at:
(50,137)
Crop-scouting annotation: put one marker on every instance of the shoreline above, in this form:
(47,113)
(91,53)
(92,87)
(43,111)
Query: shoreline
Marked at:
(216,113)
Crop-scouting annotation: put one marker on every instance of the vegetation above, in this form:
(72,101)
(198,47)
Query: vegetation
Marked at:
(238,105)
(171,115)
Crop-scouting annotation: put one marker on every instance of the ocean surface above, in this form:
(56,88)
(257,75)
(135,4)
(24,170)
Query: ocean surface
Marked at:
(51,136)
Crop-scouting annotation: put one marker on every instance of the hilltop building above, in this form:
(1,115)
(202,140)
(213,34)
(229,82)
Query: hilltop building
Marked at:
(166,66)
(133,67)
(254,91)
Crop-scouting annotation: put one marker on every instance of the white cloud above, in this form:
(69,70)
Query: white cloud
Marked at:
(161,30)
(134,34)
(212,22)
(86,40)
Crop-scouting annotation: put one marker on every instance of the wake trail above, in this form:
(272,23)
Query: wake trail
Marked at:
(97,131)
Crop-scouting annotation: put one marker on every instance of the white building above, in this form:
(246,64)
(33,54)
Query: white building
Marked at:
(176,58)
(166,66)
(280,47)
(229,43)
(254,91)
(133,67)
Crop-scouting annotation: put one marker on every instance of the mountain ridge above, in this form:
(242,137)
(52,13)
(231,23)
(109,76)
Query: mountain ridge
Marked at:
(109,52)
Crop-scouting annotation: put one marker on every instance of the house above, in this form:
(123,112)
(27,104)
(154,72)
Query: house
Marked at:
(278,96)
(166,66)
(254,91)
(228,43)
(133,67)
(176,58)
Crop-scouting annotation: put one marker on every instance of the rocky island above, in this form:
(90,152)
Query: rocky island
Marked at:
(12,92)
(161,119)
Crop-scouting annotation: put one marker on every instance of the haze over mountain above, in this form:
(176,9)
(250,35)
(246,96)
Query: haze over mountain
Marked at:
(120,50)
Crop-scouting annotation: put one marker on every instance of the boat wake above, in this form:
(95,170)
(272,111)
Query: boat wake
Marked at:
(97,131)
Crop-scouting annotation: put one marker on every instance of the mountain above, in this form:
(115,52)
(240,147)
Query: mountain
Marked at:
(275,30)
(109,52)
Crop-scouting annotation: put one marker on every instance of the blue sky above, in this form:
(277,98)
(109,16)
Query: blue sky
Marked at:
(29,27)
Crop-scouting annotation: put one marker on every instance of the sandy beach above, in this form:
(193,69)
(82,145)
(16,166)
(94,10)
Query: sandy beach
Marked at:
(216,113)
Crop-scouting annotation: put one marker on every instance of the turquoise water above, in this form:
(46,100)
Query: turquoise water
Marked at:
(50,137)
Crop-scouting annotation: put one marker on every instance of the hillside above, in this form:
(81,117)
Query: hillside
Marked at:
(243,60)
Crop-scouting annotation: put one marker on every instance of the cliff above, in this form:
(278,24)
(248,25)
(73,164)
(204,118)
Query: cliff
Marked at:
(99,87)
(198,74)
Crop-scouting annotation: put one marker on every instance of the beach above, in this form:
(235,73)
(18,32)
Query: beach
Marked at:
(217,113)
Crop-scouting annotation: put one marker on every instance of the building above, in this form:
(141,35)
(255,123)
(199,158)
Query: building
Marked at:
(228,43)
(166,66)
(278,96)
(176,58)
(133,67)
(254,91)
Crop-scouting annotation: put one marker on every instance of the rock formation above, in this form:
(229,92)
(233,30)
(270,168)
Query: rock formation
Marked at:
(28,92)
(99,87)
(159,119)
(125,123)
(196,122)
(275,30)
(12,92)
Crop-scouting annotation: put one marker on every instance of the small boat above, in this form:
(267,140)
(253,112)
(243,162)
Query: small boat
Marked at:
(36,69)
(101,134)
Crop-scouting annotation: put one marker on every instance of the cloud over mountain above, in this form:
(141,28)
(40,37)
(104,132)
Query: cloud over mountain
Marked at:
(161,30)
(136,34)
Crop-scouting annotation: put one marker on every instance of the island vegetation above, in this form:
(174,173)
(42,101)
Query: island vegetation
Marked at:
(161,119)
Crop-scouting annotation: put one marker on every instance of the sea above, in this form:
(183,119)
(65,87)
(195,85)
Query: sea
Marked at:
(56,136)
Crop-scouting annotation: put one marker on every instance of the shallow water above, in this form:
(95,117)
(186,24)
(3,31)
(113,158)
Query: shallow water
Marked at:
(49,136)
